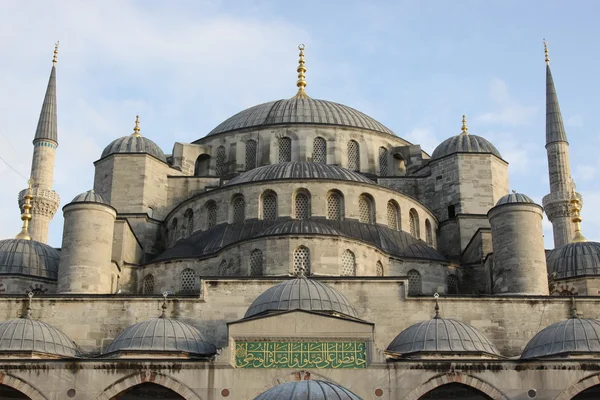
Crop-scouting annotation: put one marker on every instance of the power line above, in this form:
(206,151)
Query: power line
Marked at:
(11,167)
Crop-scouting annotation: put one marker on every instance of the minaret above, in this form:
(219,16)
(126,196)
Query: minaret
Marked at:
(44,200)
(557,203)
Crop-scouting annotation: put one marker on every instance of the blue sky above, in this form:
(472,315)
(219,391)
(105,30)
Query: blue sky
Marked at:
(186,66)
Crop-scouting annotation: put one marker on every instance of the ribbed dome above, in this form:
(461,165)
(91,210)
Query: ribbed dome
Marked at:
(308,390)
(299,111)
(162,335)
(26,334)
(514,198)
(440,335)
(574,259)
(574,335)
(28,257)
(89,197)
(464,143)
(301,294)
(298,170)
(134,144)
(301,226)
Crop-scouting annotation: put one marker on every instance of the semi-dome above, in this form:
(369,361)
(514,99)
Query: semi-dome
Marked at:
(301,294)
(574,259)
(162,335)
(301,226)
(439,336)
(572,336)
(89,197)
(514,197)
(134,144)
(308,390)
(29,335)
(28,257)
(464,143)
(299,111)
(299,170)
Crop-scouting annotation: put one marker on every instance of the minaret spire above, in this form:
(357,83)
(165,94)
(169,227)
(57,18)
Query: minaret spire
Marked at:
(301,83)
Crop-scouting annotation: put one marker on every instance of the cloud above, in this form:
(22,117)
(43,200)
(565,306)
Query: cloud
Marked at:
(508,111)
(574,121)
(423,136)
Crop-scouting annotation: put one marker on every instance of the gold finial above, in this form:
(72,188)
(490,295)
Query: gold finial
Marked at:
(26,215)
(136,128)
(465,129)
(547,57)
(575,209)
(437,307)
(301,83)
(55,58)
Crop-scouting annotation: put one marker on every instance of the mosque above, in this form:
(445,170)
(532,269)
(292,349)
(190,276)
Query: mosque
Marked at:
(299,250)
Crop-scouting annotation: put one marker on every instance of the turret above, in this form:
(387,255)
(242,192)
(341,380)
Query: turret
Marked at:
(518,244)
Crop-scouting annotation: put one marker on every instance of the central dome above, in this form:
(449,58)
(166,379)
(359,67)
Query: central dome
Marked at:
(300,111)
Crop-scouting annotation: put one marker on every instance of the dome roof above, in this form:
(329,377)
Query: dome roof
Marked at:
(574,259)
(574,335)
(162,335)
(307,390)
(514,197)
(134,144)
(464,143)
(301,294)
(301,226)
(299,111)
(440,335)
(26,334)
(298,170)
(89,197)
(28,257)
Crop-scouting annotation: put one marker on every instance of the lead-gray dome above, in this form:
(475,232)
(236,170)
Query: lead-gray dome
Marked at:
(301,294)
(162,335)
(572,336)
(134,144)
(574,259)
(440,335)
(299,170)
(28,257)
(299,111)
(514,197)
(89,197)
(307,390)
(30,335)
(464,143)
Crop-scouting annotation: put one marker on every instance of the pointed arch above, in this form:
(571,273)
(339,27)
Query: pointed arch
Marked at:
(414,223)
(151,377)
(302,260)
(148,284)
(319,150)
(353,155)
(189,281)
(256,263)
(383,162)
(221,158)
(202,165)
(428,232)
(250,154)
(468,380)
(238,209)
(393,215)
(285,149)
(211,213)
(302,204)
(348,264)
(415,286)
(366,209)
(335,205)
(379,269)
(189,219)
(269,206)
(21,386)
(579,387)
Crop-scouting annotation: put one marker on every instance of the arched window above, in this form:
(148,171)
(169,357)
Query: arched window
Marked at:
(393,215)
(220,161)
(428,232)
(148,284)
(211,214)
(188,281)
(320,150)
(302,260)
(269,206)
(224,268)
(285,149)
(383,161)
(202,165)
(366,212)
(379,269)
(335,205)
(173,232)
(256,263)
(414,282)
(451,211)
(302,205)
(239,209)
(414,223)
(348,264)
(452,284)
(353,156)
(250,155)
(189,218)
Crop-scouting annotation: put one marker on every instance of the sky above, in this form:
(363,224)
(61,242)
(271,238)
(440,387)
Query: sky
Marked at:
(185,66)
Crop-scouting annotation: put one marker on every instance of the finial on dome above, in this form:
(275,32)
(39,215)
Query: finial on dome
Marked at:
(136,128)
(465,129)
(163,314)
(301,83)
(575,209)
(573,308)
(301,273)
(26,215)
(514,191)
(55,57)
(28,312)
(437,307)
(546,55)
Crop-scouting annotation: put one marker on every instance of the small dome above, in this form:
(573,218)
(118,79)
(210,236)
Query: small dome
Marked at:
(26,334)
(300,226)
(308,390)
(28,257)
(299,170)
(89,197)
(301,294)
(464,143)
(440,335)
(574,335)
(134,144)
(574,259)
(162,335)
(514,197)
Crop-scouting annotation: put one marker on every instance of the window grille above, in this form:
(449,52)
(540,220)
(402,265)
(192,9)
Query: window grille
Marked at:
(188,281)
(334,206)
(224,268)
(365,210)
(414,223)
(285,149)
(302,260)
(429,232)
(379,268)
(269,206)
(190,222)
(452,284)
(353,156)
(256,263)
(211,214)
(250,155)
(320,151)
(392,215)
(148,285)
(414,282)
(239,210)
(348,264)
(383,161)
(220,161)
(302,206)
